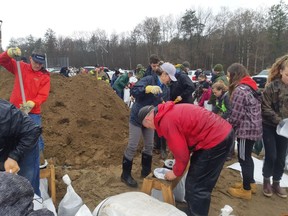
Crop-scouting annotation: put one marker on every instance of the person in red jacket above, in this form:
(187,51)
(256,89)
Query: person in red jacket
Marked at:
(192,129)
(36,85)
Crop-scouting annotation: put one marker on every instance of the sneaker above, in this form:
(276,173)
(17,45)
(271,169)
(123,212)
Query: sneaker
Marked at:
(252,185)
(240,193)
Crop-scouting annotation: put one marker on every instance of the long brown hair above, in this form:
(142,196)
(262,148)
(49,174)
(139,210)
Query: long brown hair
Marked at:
(274,72)
(237,72)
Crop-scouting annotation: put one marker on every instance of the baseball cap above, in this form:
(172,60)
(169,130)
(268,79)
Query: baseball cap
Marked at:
(38,58)
(139,66)
(169,69)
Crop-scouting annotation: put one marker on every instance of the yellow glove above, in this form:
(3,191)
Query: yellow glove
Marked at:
(14,52)
(178,99)
(153,89)
(27,107)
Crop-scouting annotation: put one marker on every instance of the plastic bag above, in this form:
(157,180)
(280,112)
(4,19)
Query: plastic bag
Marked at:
(226,211)
(71,202)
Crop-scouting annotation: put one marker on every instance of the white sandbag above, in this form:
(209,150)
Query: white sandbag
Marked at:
(44,189)
(126,96)
(135,203)
(84,211)
(37,202)
(179,190)
(207,106)
(71,202)
(48,203)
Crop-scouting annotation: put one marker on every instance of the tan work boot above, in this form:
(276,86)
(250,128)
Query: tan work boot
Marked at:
(240,193)
(267,188)
(252,185)
(281,192)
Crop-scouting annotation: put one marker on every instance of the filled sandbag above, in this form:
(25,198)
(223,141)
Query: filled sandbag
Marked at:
(135,203)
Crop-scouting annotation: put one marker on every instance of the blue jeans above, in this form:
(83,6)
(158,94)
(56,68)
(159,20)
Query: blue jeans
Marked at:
(38,120)
(29,168)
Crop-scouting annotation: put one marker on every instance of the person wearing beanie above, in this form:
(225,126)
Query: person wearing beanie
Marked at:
(197,132)
(182,89)
(206,93)
(140,71)
(217,75)
(150,90)
(186,66)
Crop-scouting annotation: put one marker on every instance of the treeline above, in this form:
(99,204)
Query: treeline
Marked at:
(254,38)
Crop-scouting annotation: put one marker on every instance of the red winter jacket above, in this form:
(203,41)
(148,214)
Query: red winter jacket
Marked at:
(186,126)
(36,83)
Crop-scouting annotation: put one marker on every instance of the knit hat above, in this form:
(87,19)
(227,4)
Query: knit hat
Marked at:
(186,64)
(218,67)
(205,85)
(139,66)
(144,111)
(170,70)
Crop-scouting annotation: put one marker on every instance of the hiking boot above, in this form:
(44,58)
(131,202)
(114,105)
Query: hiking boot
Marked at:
(240,193)
(281,192)
(252,185)
(267,189)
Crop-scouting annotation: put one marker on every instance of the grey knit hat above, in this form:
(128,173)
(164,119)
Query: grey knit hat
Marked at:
(144,111)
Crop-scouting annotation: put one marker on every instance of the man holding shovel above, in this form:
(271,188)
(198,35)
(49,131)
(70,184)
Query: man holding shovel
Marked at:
(31,84)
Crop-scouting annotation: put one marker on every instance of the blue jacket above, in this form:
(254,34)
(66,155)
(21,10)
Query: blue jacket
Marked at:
(142,99)
(18,132)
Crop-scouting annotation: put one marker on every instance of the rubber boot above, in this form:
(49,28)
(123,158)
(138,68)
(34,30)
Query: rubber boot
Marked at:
(240,193)
(281,192)
(146,165)
(126,173)
(267,189)
(163,149)
(252,185)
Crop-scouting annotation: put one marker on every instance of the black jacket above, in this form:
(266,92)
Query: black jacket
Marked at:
(18,132)
(183,87)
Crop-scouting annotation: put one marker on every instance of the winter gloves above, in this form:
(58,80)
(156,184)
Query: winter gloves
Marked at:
(14,52)
(27,107)
(153,89)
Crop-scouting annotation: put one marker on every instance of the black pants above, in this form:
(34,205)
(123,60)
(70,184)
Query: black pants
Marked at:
(275,152)
(245,147)
(205,168)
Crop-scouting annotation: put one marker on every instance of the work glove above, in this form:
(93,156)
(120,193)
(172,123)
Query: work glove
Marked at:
(14,52)
(178,99)
(27,107)
(153,89)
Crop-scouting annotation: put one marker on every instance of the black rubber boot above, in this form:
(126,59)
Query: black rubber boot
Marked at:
(146,165)
(163,149)
(126,173)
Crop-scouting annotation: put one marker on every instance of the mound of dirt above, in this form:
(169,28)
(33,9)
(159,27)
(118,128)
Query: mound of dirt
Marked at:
(85,129)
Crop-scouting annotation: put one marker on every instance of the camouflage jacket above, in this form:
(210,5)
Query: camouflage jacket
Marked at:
(275,103)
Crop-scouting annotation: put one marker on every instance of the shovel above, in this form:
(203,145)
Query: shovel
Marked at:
(20,79)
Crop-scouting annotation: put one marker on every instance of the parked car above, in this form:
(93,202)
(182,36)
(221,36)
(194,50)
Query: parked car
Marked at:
(54,69)
(191,74)
(208,74)
(261,78)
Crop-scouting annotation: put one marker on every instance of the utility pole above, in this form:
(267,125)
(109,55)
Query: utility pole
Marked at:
(1,36)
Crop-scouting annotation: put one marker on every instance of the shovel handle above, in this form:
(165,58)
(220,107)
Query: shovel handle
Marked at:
(20,80)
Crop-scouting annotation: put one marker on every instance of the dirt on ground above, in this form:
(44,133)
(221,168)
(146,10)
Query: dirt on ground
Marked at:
(85,129)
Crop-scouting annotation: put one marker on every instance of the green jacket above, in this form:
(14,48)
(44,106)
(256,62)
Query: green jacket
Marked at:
(121,82)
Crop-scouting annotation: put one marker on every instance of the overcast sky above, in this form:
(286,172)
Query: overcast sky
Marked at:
(22,18)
